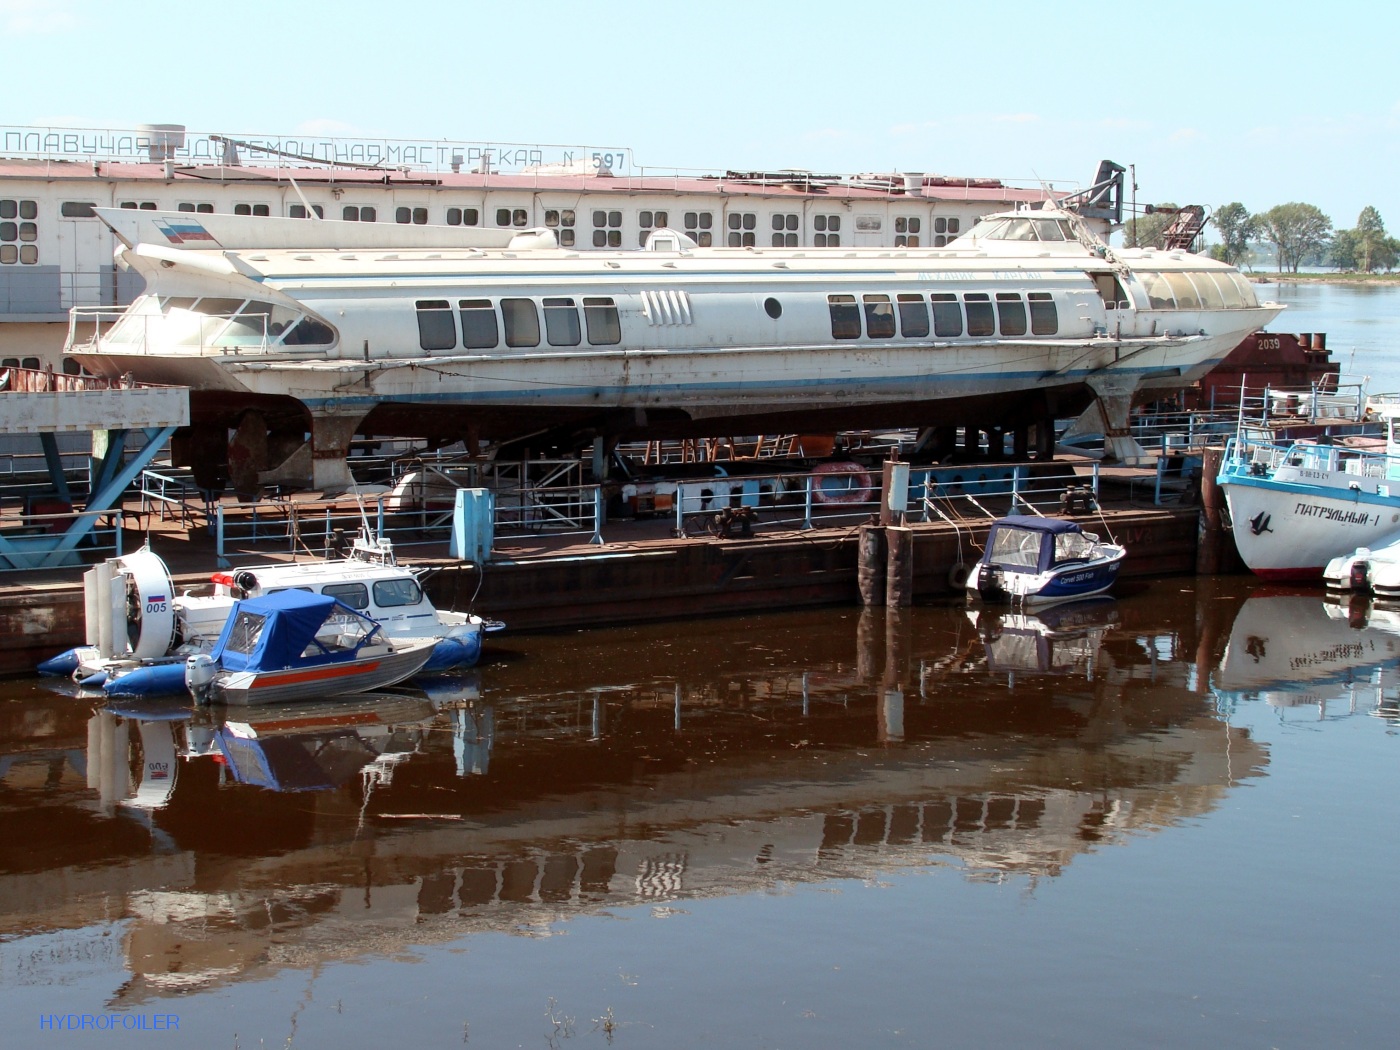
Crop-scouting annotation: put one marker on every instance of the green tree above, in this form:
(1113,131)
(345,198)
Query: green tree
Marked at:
(1145,231)
(1343,253)
(1236,227)
(1370,238)
(1296,230)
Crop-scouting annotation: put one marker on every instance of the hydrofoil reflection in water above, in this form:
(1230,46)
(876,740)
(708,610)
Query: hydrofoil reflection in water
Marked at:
(613,768)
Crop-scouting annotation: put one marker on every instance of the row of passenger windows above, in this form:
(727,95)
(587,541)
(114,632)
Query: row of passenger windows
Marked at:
(483,321)
(976,313)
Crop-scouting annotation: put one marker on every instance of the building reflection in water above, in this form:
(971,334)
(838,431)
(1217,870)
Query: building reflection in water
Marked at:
(603,769)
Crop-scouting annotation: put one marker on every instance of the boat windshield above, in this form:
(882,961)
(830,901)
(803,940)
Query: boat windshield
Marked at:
(1017,549)
(163,321)
(1074,546)
(1021,228)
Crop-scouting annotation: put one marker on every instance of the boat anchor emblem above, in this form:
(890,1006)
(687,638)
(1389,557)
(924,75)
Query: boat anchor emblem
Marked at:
(1259,524)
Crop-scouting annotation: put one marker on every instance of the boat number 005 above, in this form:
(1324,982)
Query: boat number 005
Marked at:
(155,607)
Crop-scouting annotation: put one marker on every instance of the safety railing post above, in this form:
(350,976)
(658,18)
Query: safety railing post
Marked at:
(598,507)
(1015,487)
(219,536)
(680,510)
(1096,480)
(807,502)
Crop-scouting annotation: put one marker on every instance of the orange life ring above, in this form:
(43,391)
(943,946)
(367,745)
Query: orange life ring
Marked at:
(849,483)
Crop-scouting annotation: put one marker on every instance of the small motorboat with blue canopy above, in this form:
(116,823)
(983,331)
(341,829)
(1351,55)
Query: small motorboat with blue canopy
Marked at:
(294,645)
(1036,561)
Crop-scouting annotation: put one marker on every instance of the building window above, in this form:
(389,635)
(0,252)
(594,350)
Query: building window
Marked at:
(979,314)
(947,315)
(600,314)
(1044,320)
(356,213)
(607,229)
(828,231)
(1011,312)
(742,225)
(243,209)
(913,316)
(845,316)
(298,211)
(879,317)
(77,210)
(647,223)
(906,231)
(415,216)
(18,238)
(561,221)
(522,322)
(463,217)
(561,322)
(436,328)
(479,331)
(699,225)
(512,217)
(784,231)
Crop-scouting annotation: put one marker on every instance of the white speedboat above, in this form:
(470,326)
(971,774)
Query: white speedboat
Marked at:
(1366,571)
(1033,561)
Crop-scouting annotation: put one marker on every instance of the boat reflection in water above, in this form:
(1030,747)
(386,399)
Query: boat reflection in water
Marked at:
(643,766)
(1300,653)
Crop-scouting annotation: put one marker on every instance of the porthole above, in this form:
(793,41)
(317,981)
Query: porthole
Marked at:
(773,308)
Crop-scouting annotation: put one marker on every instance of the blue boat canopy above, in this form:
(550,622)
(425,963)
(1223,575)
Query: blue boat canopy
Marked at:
(1022,543)
(291,628)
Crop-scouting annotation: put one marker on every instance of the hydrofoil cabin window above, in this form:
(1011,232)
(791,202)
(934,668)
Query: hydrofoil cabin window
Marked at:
(913,316)
(879,317)
(479,330)
(436,328)
(463,217)
(1246,290)
(741,229)
(699,225)
(1229,292)
(1184,290)
(1209,291)
(1044,319)
(945,229)
(845,316)
(242,209)
(358,213)
(1050,230)
(906,231)
(947,315)
(201,207)
(309,332)
(784,231)
(1011,313)
(512,217)
(1159,292)
(828,229)
(600,314)
(561,323)
(522,322)
(411,216)
(151,206)
(607,229)
(298,211)
(77,210)
(256,324)
(1110,290)
(979,314)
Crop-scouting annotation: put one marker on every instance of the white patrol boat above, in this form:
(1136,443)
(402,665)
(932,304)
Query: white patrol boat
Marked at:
(297,335)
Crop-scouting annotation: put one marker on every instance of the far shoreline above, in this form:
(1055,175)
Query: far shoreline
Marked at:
(1324,278)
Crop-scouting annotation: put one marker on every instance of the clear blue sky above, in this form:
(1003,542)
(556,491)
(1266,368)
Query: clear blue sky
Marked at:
(1213,102)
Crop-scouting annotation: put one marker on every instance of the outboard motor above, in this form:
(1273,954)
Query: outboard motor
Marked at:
(199,676)
(1360,575)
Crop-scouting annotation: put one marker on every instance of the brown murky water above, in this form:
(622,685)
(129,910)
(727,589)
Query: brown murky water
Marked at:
(1160,820)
